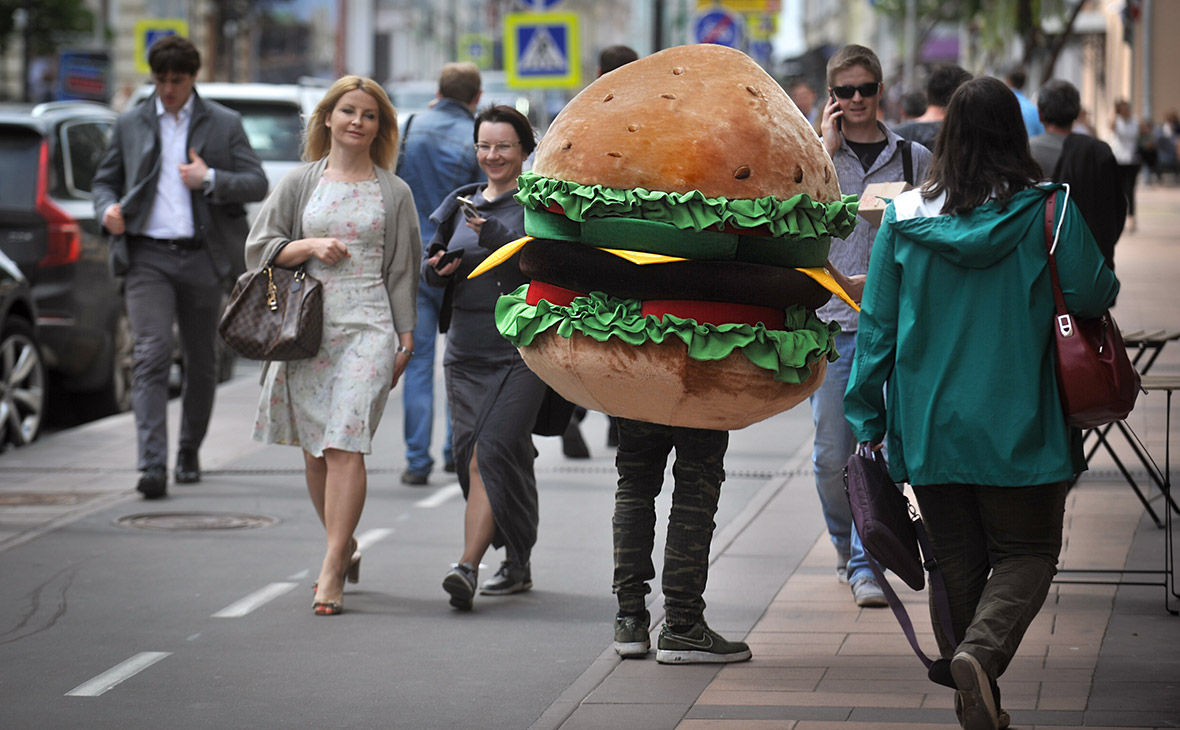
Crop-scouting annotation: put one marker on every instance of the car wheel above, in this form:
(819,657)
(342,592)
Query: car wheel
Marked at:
(22,383)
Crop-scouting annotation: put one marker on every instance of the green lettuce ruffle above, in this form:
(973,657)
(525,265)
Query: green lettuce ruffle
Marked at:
(798,217)
(787,354)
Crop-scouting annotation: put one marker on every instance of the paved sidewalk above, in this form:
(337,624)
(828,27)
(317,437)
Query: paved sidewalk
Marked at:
(1096,656)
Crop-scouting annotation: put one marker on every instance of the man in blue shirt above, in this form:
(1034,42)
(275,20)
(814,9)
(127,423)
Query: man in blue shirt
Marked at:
(437,157)
(1015,79)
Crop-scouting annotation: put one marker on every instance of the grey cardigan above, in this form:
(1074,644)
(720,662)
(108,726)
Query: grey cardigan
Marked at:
(281,220)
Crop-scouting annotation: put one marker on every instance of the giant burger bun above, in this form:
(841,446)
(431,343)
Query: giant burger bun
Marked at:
(702,117)
(680,212)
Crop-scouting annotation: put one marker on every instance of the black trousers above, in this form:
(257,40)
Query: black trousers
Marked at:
(167,284)
(697,472)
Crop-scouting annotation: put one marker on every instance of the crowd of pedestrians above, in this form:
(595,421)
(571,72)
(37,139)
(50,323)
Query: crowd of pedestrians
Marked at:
(963,404)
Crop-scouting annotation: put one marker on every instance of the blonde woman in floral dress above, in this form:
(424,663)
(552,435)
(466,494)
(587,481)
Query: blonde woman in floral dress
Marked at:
(352,223)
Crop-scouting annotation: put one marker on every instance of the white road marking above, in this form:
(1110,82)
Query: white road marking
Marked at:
(299,576)
(442,496)
(254,600)
(370,537)
(117,674)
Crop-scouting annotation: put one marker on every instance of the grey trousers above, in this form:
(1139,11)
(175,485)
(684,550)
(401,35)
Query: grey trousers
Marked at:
(997,548)
(163,285)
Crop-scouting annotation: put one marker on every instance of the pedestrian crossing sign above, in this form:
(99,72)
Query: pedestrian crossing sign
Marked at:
(541,50)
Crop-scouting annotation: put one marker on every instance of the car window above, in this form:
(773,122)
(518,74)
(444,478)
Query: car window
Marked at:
(274,129)
(84,144)
(20,152)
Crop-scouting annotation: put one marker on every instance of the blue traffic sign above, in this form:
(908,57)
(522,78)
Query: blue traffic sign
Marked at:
(541,50)
(538,4)
(719,27)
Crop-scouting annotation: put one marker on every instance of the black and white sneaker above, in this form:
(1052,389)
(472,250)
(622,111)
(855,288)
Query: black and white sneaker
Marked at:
(699,645)
(510,578)
(460,583)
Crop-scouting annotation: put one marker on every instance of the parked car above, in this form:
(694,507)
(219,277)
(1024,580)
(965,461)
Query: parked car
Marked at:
(22,372)
(49,154)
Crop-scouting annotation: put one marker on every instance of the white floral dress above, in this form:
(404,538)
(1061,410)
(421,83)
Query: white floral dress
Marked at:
(335,399)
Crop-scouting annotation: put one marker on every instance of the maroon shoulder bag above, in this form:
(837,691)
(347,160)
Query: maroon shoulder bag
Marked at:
(1095,378)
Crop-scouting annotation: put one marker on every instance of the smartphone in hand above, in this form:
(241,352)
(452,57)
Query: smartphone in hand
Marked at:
(451,255)
(839,119)
(469,209)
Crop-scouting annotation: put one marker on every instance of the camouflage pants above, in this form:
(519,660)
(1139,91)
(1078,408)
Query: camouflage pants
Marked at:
(698,472)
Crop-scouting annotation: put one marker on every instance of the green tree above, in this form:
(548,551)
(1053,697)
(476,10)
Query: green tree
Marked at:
(996,22)
(49,22)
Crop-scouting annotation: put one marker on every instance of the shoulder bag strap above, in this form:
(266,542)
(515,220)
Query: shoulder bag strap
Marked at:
(401,146)
(907,161)
(1064,319)
(942,606)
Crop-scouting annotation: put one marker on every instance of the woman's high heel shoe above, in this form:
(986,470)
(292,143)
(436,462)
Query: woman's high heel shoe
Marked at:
(353,572)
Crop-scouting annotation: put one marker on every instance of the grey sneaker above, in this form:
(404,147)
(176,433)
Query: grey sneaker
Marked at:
(460,583)
(701,645)
(510,578)
(842,568)
(632,635)
(868,594)
(1002,717)
(975,694)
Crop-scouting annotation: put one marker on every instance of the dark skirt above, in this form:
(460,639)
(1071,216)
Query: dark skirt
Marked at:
(493,405)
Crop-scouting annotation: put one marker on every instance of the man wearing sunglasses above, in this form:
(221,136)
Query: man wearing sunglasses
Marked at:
(864,151)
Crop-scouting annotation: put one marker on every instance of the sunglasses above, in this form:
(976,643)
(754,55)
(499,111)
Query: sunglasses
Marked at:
(847,92)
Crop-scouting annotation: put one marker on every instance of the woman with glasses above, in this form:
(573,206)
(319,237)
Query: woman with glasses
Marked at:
(494,397)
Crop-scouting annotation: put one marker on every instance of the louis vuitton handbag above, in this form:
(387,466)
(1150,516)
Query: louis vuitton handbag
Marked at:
(274,314)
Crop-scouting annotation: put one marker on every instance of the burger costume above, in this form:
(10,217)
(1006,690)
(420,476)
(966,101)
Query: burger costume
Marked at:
(679,214)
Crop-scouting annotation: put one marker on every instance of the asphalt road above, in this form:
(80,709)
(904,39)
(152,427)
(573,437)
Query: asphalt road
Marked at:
(116,626)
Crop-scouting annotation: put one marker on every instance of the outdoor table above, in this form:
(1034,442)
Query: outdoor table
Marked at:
(1145,347)
(1167,576)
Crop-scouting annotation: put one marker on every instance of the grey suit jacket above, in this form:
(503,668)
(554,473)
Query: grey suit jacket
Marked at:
(131,165)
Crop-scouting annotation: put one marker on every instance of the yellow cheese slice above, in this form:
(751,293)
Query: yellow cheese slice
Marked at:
(824,279)
(502,254)
(499,256)
(642,258)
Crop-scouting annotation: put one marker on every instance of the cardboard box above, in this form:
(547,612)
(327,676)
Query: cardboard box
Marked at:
(876,196)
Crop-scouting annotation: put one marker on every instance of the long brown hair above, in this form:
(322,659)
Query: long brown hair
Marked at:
(982,149)
(383,151)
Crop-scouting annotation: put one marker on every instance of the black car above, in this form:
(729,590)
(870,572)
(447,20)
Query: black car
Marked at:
(49,154)
(22,373)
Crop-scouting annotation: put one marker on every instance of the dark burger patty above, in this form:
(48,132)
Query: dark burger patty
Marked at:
(585,268)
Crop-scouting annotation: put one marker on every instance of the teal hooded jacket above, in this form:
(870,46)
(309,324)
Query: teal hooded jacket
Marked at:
(954,361)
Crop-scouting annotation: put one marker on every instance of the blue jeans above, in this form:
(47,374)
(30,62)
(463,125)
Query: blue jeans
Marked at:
(418,388)
(834,443)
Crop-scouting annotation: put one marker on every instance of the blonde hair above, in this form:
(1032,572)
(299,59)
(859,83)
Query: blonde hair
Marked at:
(383,151)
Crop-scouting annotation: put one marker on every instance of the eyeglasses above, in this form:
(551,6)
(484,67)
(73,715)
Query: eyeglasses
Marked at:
(866,90)
(500,147)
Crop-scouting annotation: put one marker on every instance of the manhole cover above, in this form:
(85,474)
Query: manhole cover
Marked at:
(196,521)
(42,499)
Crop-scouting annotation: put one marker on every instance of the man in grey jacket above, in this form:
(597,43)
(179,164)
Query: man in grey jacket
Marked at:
(864,151)
(170,190)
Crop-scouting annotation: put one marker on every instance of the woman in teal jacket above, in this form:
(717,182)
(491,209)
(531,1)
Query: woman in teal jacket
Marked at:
(954,367)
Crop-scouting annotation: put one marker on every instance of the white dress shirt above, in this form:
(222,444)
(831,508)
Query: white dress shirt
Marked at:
(172,211)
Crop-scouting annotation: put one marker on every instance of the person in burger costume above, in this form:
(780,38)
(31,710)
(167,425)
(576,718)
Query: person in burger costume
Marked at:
(680,211)
(954,366)
(864,151)
(494,397)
